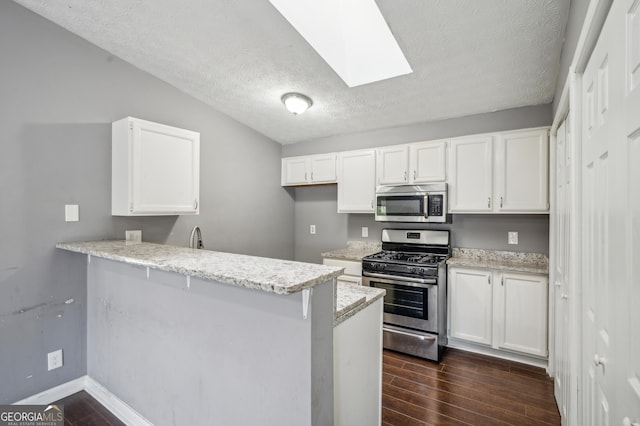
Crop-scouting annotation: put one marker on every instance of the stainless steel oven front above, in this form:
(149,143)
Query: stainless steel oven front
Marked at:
(406,303)
(414,318)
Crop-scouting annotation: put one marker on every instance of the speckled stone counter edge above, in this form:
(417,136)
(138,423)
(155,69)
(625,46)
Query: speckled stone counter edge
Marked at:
(370,294)
(536,263)
(258,273)
(355,250)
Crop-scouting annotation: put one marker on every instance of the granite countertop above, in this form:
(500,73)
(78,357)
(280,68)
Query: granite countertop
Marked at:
(536,263)
(355,250)
(269,275)
(352,298)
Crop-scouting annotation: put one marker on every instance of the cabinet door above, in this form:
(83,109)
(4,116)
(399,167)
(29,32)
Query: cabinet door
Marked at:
(392,163)
(356,181)
(521,313)
(470,305)
(471,175)
(522,183)
(165,169)
(323,168)
(427,162)
(295,171)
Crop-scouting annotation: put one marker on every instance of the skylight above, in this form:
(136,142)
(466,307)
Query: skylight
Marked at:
(350,35)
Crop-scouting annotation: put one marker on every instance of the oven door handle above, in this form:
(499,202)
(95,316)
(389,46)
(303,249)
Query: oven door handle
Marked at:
(408,281)
(404,333)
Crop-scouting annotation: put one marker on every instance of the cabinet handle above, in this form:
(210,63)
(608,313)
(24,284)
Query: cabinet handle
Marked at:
(489,202)
(405,175)
(414,175)
(502,282)
(195,204)
(500,202)
(489,280)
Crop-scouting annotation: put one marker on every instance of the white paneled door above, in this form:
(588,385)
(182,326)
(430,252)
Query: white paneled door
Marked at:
(611,201)
(631,194)
(598,196)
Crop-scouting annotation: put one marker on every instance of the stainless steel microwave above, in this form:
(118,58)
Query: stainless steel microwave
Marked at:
(412,203)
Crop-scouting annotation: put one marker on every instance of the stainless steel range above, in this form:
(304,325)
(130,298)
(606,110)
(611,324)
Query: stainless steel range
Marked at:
(411,268)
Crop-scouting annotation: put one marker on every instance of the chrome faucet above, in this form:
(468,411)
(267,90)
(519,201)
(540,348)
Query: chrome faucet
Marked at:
(195,240)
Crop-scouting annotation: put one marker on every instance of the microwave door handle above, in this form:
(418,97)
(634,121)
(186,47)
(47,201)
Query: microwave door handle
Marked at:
(426,206)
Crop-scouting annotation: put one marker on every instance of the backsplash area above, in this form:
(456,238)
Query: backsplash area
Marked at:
(317,205)
(483,231)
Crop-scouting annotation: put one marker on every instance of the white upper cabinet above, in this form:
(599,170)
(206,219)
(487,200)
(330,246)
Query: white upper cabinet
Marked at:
(415,163)
(522,165)
(356,181)
(155,169)
(428,162)
(471,175)
(309,170)
(502,173)
(392,165)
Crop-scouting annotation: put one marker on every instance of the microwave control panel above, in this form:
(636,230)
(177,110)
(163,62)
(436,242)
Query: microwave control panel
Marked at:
(435,205)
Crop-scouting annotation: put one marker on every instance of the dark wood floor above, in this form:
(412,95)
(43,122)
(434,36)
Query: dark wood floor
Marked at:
(81,409)
(465,388)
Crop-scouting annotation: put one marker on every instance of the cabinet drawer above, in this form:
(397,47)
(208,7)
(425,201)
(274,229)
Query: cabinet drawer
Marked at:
(351,267)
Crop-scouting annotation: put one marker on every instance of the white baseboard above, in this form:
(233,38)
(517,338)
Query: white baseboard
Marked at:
(118,407)
(101,394)
(470,347)
(56,393)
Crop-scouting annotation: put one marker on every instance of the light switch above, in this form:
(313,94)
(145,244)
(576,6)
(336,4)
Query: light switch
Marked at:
(365,231)
(513,237)
(312,229)
(71,213)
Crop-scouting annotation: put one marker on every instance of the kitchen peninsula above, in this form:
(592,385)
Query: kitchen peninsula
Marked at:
(188,336)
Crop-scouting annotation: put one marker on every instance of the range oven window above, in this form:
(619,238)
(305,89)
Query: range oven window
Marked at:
(401,206)
(404,300)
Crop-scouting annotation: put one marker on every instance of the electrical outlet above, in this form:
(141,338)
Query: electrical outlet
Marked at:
(71,213)
(513,238)
(133,236)
(312,229)
(54,360)
(365,232)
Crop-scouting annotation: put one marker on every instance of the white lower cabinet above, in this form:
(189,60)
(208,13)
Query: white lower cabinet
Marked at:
(352,270)
(499,309)
(521,313)
(471,305)
(357,368)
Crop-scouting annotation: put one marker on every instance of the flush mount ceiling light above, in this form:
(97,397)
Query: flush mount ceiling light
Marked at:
(296,103)
(351,36)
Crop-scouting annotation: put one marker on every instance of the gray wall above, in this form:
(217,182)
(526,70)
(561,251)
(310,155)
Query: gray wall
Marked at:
(577,13)
(236,356)
(510,119)
(317,205)
(59,96)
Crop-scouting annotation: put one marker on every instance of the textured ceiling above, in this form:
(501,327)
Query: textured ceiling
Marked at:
(240,56)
